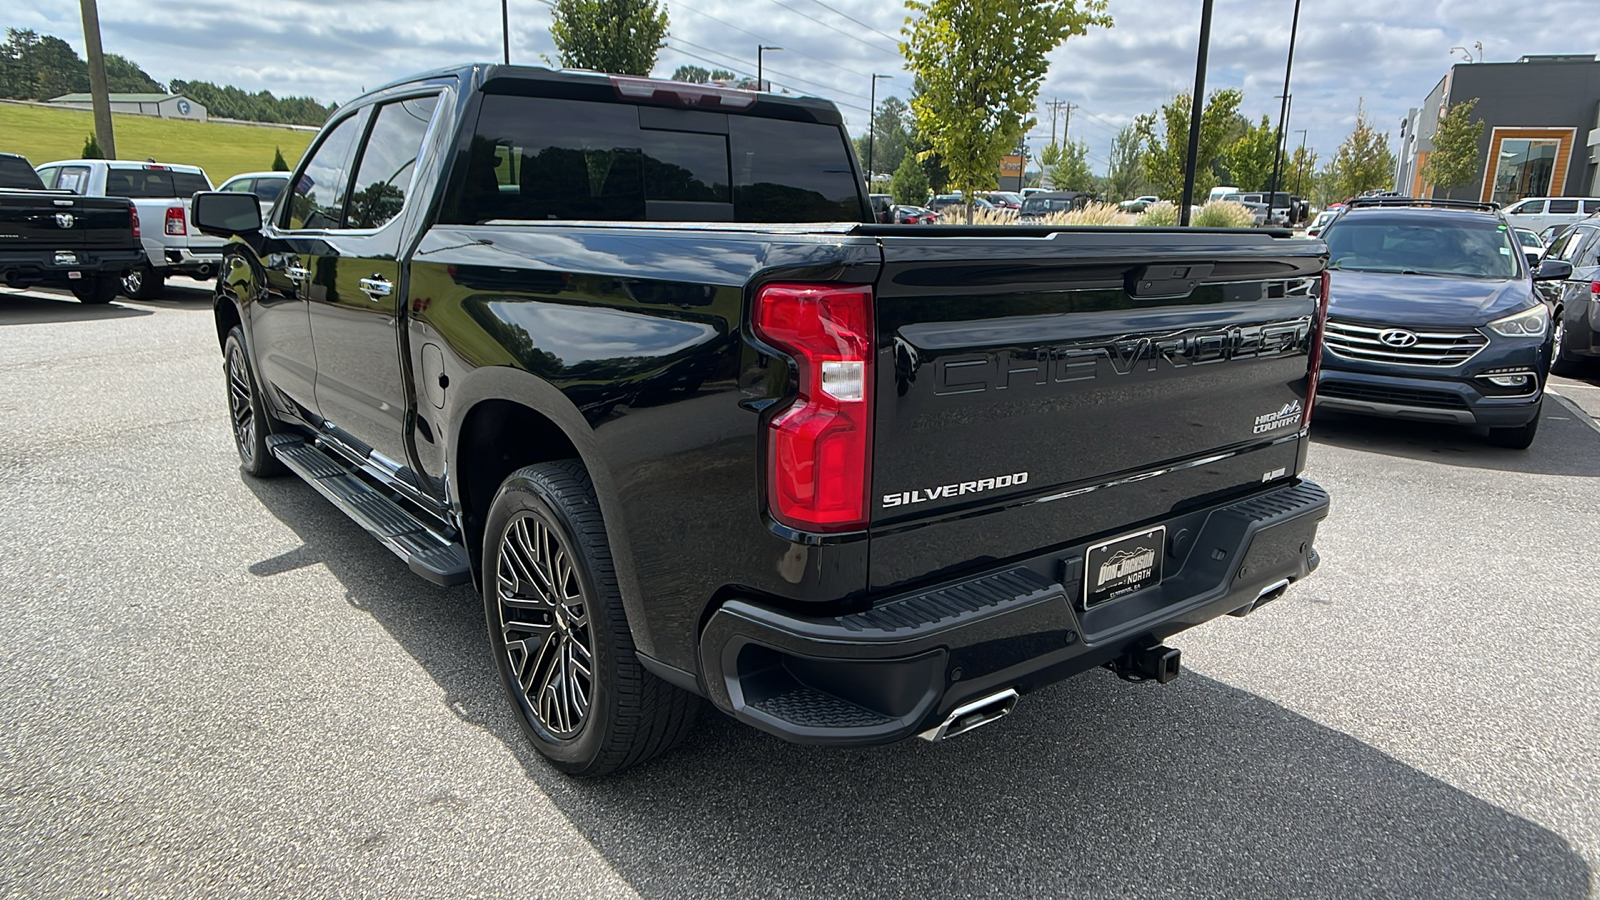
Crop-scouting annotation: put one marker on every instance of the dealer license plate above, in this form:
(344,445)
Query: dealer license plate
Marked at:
(1122,566)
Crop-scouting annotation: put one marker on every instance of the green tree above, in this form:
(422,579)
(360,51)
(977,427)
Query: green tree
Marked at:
(39,67)
(698,75)
(125,77)
(891,135)
(910,184)
(1125,180)
(1454,161)
(279,164)
(618,36)
(1250,156)
(1165,153)
(91,149)
(1363,161)
(974,91)
(1071,171)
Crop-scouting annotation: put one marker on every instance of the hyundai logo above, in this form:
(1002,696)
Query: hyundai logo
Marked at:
(1398,338)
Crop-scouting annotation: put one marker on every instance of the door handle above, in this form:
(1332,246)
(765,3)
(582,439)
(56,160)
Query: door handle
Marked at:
(296,274)
(376,287)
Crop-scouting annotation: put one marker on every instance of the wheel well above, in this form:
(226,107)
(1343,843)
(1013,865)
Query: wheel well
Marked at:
(498,438)
(227,316)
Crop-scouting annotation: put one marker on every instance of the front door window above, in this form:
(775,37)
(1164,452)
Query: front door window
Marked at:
(1524,169)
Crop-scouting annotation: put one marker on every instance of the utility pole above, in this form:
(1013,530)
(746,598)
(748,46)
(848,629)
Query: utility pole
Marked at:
(1066,122)
(1300,167)
(872,126)
(100,97)
(1055,109)
(1196,111)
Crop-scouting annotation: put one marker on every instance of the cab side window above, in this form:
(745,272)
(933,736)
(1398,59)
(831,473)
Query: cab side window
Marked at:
(1579,236)
(317,200)
(388,161)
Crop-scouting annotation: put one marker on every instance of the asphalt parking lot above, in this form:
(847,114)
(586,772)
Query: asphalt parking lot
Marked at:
(220,686)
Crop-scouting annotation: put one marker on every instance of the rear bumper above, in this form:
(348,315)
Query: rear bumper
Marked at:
(47,267)
(899,667)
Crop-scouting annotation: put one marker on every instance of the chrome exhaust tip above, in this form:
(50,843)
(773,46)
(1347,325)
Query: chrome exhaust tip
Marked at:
(974,714)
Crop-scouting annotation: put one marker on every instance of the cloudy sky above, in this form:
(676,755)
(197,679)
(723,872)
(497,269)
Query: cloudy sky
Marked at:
(1384,54)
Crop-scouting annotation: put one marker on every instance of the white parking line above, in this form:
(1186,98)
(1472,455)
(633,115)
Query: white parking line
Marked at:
(1575,409)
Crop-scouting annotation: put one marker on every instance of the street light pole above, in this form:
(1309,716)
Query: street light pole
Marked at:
(1196,111)
(1300,163)
(872,126)
(1283,110)
(761,83)
(505,27)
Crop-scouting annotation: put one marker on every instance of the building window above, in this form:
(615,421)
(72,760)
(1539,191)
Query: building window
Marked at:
(1523,169)
(1527,162)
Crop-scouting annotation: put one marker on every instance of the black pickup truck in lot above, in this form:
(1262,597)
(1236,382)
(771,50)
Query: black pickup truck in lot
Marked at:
(632,357)
(55,239)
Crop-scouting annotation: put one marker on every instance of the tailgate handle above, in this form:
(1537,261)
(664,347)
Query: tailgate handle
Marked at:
(1167,279)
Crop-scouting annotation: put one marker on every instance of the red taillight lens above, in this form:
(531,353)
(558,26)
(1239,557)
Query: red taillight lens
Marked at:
(133,219)
(1314,363)
(175,222)
(1594,287)
(819,450)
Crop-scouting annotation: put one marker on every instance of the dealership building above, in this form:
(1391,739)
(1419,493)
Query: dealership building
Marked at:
(1541,135)
(167,106)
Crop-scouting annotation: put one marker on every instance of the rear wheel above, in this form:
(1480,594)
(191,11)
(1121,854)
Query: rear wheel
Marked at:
(247,414)
(99,289)
(558,632)
(144,282)
(1520,437)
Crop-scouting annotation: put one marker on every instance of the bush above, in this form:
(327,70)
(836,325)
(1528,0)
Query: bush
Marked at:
(1092,214)
(1223,214)
(910,184)
(1161,215)
(91,149)
(279,164)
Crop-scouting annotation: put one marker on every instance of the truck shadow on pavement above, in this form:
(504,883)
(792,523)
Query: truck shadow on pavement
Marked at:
(1092,788)
(41,309)
(1563,446)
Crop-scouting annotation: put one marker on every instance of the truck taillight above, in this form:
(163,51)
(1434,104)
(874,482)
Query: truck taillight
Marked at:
(1314,363)
(133,219)
(819,450)
(175,222)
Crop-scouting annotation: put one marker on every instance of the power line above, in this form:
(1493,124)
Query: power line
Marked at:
(748,72)
(895,51)
(855,20)
(746,62)
(768,40)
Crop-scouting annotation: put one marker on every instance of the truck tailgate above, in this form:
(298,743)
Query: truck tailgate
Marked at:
(1038,388)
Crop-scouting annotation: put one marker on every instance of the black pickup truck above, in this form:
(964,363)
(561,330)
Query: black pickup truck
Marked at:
(56,239)
(631,356)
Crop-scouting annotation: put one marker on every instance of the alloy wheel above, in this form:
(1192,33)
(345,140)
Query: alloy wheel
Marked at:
(241,410)
(133,282)
(544,622)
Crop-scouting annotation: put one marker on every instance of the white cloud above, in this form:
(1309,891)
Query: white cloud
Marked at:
(1384,54)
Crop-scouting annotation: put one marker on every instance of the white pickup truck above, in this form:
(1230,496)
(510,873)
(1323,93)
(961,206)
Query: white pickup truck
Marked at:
(161,193)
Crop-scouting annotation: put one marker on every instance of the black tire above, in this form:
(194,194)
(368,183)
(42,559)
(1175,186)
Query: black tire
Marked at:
(144,282)
(97,290)
(1520,437)
(568,606)
(1562,362)
(248,416)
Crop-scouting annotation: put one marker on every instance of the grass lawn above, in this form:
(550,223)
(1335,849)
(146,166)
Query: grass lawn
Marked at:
(223,151)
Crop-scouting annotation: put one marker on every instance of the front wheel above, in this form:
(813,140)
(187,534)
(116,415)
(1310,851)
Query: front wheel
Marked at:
(96,290)
(246,412)
(558,632)
(144,282)
(1562,362)
(1520,437)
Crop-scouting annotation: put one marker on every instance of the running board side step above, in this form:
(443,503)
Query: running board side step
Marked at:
(428,553)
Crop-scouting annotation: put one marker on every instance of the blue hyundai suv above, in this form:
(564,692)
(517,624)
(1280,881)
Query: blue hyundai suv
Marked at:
(1432,316)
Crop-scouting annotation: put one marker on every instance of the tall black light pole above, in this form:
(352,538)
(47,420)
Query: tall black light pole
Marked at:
(761,84)
(1283,109)
(505,27)
(1196,112)
(872,126)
